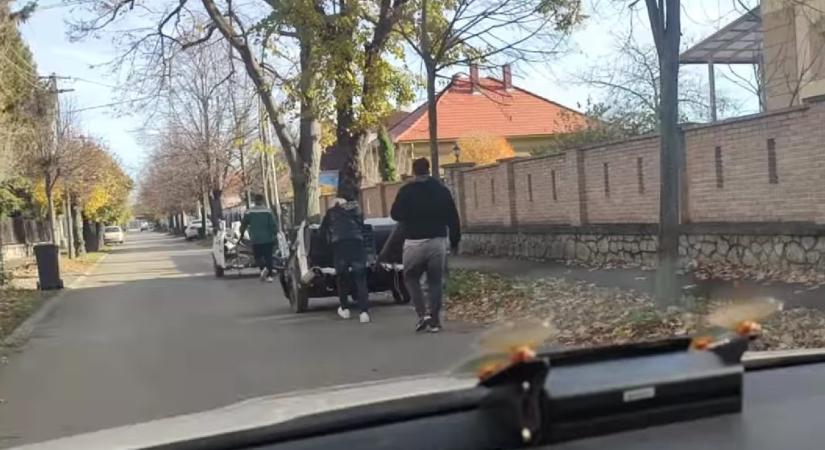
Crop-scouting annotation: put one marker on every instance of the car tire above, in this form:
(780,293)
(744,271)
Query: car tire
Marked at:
(298,295)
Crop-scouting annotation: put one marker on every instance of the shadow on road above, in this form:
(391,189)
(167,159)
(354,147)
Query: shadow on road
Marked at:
(152,333)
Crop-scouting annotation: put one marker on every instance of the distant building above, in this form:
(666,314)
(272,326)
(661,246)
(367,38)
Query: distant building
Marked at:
(784,39)
(333,158)
(472,105)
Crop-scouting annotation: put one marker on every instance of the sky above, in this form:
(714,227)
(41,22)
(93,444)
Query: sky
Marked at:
(45,33)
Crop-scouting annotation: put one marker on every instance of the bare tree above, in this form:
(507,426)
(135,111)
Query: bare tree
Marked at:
(631,84)
(445,34)
(199,95)
(665,24)
(149,55)
(52,143)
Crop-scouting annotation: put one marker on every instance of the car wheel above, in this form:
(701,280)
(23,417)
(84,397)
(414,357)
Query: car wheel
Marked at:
(298,295)
(218,269)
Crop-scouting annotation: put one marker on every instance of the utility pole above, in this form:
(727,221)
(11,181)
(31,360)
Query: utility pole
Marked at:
(49,178)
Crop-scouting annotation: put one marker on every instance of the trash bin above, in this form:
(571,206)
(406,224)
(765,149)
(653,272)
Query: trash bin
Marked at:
(48,268)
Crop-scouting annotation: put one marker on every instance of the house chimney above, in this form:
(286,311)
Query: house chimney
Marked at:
(474,78)
(507,77)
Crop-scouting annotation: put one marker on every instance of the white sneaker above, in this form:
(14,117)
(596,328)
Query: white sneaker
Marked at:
(343,313)
(269,279)
(364,317)
(262,277)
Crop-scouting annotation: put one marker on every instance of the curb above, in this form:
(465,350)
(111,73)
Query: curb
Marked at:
(20,334)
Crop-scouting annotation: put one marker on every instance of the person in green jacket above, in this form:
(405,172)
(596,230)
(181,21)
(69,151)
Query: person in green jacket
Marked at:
(263,231)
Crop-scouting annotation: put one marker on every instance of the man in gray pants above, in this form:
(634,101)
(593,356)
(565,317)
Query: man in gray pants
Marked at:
(426,210)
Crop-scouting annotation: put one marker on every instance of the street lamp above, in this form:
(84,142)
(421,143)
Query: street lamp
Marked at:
(456,152)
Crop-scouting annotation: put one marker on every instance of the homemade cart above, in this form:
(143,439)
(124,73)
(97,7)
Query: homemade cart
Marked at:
(309,271)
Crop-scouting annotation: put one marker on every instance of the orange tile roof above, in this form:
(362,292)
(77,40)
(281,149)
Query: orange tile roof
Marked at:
(493,111)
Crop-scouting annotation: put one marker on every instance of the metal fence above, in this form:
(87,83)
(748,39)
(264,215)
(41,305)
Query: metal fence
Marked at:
(19,230)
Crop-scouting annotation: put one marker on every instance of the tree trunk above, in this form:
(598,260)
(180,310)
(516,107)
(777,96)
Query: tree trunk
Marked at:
(667,288)
(307,165)
(204,217)
(67,212)
(432,116)
(2,255)
(349,176)
(99,236)
(244,179)
(80,244)
(276,197)
(305,177)
(216,207)
(90,236)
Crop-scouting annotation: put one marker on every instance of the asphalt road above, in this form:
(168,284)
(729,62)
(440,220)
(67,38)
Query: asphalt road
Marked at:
(152,333)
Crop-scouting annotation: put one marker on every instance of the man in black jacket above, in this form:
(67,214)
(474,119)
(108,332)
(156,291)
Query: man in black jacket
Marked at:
(426,210)
(343,227)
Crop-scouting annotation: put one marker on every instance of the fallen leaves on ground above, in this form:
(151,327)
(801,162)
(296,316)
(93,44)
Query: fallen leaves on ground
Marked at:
(812,278)
(15,306)
(588,315)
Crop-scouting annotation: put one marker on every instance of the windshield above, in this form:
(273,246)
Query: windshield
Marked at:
(375,246)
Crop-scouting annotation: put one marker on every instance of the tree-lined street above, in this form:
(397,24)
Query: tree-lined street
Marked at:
(151,333)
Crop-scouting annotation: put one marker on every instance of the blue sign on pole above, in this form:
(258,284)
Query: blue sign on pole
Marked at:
(328,178)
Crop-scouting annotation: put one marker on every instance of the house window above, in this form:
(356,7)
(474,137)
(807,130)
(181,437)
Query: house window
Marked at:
(553,181)
(529,187)
(493,191)
(717,158)
(640,175)
(773,176)
(606,180)
(475,194)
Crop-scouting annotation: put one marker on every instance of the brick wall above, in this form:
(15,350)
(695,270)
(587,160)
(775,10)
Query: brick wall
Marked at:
(544,193)
(487,200)
(612,176)
(771,168)
(762,168)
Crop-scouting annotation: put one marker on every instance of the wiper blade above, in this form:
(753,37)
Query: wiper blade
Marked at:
(782,358)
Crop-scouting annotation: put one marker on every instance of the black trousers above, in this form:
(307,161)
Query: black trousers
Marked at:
(263,256)
(351,272)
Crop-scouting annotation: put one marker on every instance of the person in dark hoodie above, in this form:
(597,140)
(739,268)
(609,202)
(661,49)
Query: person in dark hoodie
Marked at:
(343,227)
(427,213)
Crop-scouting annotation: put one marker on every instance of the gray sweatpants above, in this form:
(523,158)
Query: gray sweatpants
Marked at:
(425,256)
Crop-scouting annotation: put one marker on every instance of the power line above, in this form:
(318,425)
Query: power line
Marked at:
(109,105)
(83,80)
(65,4)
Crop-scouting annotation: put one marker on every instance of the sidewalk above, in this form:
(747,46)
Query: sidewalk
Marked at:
(794,295)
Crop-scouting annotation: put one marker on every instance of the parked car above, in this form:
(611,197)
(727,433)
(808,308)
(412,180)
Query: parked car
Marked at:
(112,234)
(193,229)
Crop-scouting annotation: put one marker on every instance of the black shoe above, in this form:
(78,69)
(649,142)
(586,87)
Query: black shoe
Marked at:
(433,327)
(423,324)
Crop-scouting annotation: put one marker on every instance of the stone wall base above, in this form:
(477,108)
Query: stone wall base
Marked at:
(756,251)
